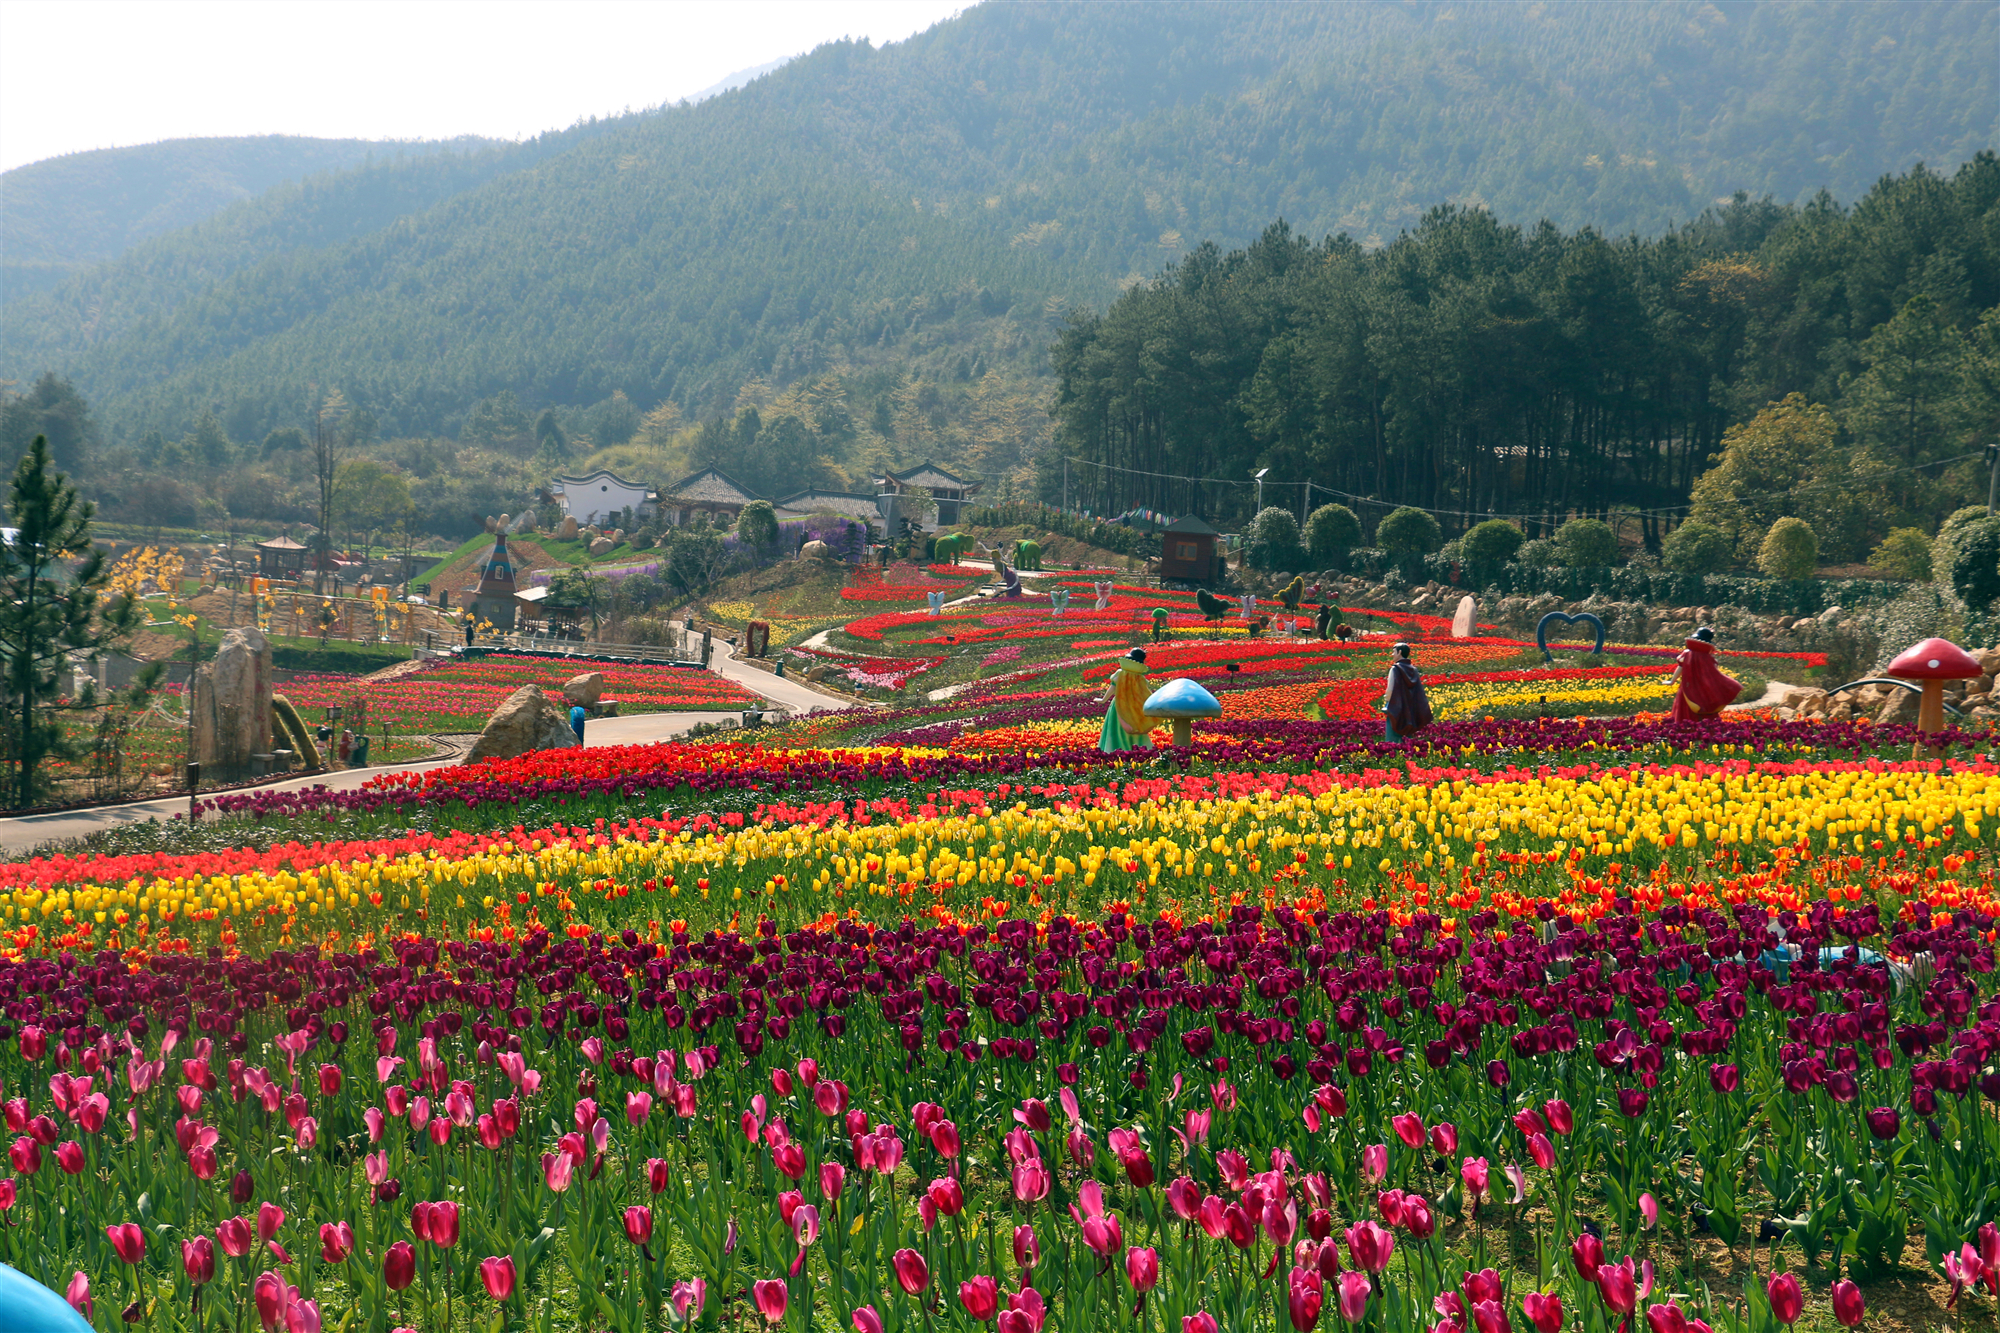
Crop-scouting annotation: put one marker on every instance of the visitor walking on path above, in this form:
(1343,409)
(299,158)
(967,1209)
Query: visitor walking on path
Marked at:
(576,716)
(1406,709)
(1125,724)
(1704,689)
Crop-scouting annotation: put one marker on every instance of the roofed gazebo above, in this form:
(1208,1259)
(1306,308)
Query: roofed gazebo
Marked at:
(281,558)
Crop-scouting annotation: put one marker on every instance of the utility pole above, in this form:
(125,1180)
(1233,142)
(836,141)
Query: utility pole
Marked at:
(1065,483)
(1305,505)
(1993,485)
(1258,475)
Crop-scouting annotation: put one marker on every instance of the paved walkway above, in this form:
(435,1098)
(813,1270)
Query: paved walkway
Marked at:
(30,831)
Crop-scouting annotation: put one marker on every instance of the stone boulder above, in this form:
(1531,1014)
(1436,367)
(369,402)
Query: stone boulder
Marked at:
(523,522)
(586,689)
(526,720)
(1465,621)
(232,704)
(601,545)
(1900,706)
(568,530)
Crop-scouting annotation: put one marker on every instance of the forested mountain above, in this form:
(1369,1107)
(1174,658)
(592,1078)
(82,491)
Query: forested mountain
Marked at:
(66,213)
(910,225)
(1483,370)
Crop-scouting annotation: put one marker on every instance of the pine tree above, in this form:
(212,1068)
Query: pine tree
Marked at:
(49,615)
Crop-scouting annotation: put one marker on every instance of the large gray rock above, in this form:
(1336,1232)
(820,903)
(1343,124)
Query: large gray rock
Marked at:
(601,545)
(586,689)
(526,720)
(523,522)
(567,532)
(232,704)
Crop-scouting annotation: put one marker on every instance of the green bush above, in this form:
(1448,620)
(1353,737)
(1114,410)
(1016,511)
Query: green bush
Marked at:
(757,525)
(1331,532)
(1790,550)
(1273,540)
(1697,548)
(337,659)
(1975,561)
(1904,554)
(1540,553)
(1493,542)
(1586,543)
(1409,532)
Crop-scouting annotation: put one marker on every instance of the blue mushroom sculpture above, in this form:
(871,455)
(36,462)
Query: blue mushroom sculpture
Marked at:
(1180,702)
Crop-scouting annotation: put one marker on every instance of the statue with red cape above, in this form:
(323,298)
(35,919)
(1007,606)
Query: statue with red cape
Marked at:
(1704,690)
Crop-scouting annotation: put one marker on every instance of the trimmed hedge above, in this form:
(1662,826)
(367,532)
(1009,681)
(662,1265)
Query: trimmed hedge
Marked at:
(1110,536)
(336,660)
(1800,597)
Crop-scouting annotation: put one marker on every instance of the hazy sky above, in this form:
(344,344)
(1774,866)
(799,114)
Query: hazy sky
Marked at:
(81,74)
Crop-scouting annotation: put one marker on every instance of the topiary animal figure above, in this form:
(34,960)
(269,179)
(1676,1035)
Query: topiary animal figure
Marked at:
(1212,607)
(1290,594)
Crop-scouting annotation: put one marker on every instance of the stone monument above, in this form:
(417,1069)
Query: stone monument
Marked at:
(232,705)
(1465,622)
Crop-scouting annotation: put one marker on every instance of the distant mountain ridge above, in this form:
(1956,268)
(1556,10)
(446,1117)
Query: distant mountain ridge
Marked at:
(935,206)
(63,214)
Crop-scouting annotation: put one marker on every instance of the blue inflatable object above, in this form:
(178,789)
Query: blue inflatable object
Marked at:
(26,1306)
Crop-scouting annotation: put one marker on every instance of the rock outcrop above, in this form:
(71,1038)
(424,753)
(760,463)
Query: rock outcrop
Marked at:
(527,720)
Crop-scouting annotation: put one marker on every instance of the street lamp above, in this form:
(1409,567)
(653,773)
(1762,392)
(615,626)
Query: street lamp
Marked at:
(1259,476)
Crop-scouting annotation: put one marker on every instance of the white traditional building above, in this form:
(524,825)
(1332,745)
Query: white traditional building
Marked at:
(602,496)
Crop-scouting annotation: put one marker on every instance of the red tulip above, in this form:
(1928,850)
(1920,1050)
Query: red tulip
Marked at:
(1667,1317)
(128,1240)
(1848,1307)
(944,1138)
(981,1297)
(656,1174)
(198,1259)
(329,1080)
(1619,1286)
(1409,1128)
(235,1236)
(771,1298)
(497,1273)
(269,1218)
(832,1179)
(1787,1301)
(1142,1268)
(1561,1119)
(830,1097)
(1587,1253)
(912,1273)
(399,1265)
(639,1224)
(947,1196)
(69,1156)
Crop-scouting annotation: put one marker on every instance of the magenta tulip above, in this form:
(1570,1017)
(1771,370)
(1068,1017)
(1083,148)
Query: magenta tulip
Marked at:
(981,1297)
(1848,1307)
(399,1265)
(912,1273)
(1787,1301)
(771,1298)
(497,1273)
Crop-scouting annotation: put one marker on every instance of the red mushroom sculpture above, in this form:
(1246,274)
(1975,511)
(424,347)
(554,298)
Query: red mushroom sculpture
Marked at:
(1934,661)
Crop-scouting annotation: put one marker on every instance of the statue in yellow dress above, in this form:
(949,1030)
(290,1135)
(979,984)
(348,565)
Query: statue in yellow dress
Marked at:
(1126,726)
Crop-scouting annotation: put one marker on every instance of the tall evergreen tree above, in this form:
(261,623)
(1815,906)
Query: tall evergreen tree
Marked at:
(49,614)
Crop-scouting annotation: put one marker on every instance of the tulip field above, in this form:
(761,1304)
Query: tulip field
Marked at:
(936,1018)
(459,694)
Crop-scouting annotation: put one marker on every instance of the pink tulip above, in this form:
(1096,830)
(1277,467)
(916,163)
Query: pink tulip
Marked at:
(1848,1307)
(832,1179)
(1444,1139)
(1409,1128)
(1201,1321)
(1561,1120)
(269,1218)
(656,1175)
(128,1240)
(77,1293)
(556,1167)
(1142,1268)
(1027,1250)
(1375,1163)
(1370,1246)
(69,1156)
(688,1298)
(497,1274)
(912,1273)
(1545,1312)
(867,1321)
(1184,1196)
(1542,1151)
(638,1105)
(771,1297)
(1787,1301)
(235,1236)
(399,1265)
(981,1297)
(1649,1210)
(1354,1293)
(198,1260)
(336,1241)
(1476,1175)
(1031,1181)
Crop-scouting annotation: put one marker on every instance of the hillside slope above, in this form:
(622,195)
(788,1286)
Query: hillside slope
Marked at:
(938,203)
(66,213)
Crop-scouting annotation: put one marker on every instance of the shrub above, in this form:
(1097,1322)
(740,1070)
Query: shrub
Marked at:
(757,525)
(1331,532)
(1409,532)
(1697,548)
(1493,542)
(1273,540)
(1790,550)
(1587,543)
(1975,561)
(1541,553)
(1904,554)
